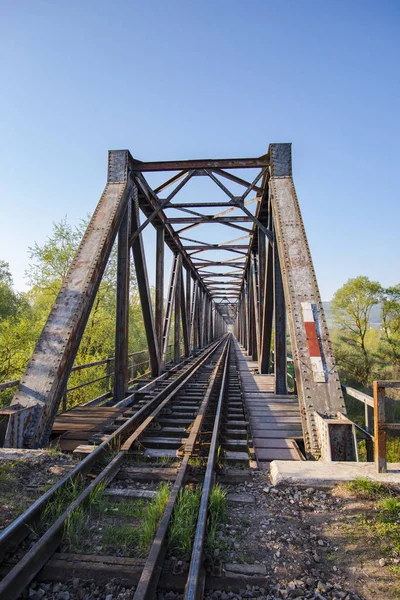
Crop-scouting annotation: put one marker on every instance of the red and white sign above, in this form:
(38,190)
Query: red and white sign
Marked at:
(313,343)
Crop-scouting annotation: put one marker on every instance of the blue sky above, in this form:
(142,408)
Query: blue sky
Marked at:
(180,79)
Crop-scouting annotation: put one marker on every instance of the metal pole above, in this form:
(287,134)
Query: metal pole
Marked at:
(159,303)
(122,313)
(280,329)
(177,321)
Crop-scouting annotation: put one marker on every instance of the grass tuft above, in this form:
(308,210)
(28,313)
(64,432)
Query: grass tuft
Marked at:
(216,516)
(365,488)
(151,518)
(136,540)
(61,499)
(184,518)
(390,506)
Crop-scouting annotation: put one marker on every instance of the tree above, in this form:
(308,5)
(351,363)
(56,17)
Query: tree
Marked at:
(391,322)
(9,301)
(52,260)
(351,309)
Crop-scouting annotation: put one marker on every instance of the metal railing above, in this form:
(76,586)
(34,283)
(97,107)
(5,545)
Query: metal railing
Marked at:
(139,365)
(367,432)
(376,424)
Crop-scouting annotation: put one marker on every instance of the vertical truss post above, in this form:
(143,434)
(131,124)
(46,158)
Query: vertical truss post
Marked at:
(170,305)
(280,329)
(247,316)
(318,392)
(192,328)
(185,331)
(177,312)
(159,308)
(122,313)
(242,315)
(42,386)
(267,313)
(144,290)
(256,301)
(188,300)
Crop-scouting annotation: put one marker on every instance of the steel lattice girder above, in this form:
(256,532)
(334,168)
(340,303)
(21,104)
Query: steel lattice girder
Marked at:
(272,274)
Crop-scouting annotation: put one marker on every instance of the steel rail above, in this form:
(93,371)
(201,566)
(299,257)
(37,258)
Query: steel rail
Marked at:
(26,569)
(195,582)
(20,527)
(147,585)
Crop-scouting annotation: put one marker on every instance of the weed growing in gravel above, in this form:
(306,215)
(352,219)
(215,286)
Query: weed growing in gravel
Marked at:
(384,526)
(61,499)
(390,506)
(365,488)
(119,536)
(216,516)
(151,518)
(8,477)
(166,461)
(197,462)
(183,522)
(76,528)
(129,509)
(54,452)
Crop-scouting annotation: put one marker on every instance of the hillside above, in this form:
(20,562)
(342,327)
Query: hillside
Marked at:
(375,320)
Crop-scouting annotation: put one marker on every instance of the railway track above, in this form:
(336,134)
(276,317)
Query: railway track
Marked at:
(175,418)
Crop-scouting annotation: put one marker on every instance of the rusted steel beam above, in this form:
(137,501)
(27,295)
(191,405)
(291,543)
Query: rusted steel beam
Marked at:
(217,247)
(300,286)
(198,204)
(208,219)
(144,291)
(188,292)
(380,430)
(267,313)
(204,163)
(177,312)
(42,386)
(280,354)
(148,203)
(235,179)
(122,310)
(169,307)
(185,331)
(170,181)
(159,301)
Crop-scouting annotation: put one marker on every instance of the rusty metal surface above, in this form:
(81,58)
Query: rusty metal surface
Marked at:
(205,163)
(300,285)
(44,380)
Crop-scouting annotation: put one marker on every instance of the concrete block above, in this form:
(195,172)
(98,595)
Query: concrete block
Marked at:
(327,474)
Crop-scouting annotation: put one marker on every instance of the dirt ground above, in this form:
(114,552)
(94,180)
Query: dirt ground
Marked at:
(312,538)
(323,544)
(24,476)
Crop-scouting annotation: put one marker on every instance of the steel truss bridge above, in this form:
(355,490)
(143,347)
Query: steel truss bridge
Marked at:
(258,282)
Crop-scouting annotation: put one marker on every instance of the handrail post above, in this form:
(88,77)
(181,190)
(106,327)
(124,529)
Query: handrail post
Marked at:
(369,418)
(108,373)
(380,427)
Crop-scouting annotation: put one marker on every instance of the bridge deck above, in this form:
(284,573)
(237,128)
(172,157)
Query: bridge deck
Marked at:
(76,426)
(274,420)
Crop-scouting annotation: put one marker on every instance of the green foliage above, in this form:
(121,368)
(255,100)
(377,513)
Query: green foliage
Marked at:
(23,316)
(351,309)
(391,323)
(390,506)
(365,488)
(183,522)
(217,510)
(9,300)
(151,518)
(136,540)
